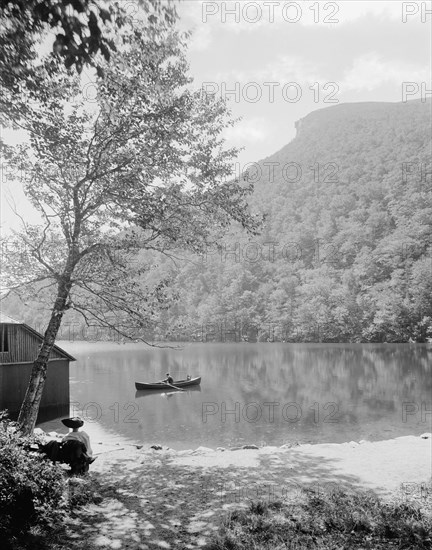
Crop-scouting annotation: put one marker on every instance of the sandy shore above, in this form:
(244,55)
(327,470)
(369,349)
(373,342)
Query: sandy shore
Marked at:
(382,466)
(176,499)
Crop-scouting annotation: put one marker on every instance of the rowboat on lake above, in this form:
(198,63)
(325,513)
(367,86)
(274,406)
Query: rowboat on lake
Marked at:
(164,387)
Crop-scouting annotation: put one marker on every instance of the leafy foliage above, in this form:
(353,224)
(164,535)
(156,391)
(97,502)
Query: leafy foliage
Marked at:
(31,488)
(113,182)
(142,168)
(78,32)
(84,34)
(346,249)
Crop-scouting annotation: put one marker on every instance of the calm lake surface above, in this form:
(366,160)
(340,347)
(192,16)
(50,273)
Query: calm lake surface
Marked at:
(253,393)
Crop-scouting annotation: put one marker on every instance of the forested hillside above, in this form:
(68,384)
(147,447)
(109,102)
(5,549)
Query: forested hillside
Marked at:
(345,252)
(346,249)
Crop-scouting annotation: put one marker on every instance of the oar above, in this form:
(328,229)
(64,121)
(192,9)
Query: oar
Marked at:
(171,386)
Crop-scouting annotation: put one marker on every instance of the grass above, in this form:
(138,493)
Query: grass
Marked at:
(327,521)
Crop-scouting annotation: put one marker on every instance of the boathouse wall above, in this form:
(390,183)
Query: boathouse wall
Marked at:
(19,346)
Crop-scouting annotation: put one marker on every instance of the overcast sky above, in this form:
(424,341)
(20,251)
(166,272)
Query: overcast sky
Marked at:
(281,60)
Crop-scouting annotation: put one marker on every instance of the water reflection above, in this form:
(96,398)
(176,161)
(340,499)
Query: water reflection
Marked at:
(167,393)
(256,393)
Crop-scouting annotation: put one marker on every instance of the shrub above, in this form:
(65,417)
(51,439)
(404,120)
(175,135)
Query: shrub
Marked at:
(31,487)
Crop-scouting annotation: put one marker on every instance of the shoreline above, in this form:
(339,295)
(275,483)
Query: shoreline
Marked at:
(148,498)
(181,343)
(382,466)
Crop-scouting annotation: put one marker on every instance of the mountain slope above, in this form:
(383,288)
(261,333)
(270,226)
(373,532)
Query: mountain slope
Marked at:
(345,253)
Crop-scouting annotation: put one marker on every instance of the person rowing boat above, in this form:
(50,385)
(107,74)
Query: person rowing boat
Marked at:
(169,379)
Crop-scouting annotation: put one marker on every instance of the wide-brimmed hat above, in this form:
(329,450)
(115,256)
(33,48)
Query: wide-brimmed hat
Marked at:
(75,422)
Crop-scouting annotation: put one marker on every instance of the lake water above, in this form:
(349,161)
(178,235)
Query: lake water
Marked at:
(253,393)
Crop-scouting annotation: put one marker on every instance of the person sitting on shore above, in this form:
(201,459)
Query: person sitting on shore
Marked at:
(169,379)
(75,435)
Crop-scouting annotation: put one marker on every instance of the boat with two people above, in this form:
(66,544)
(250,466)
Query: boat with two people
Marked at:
(164,386)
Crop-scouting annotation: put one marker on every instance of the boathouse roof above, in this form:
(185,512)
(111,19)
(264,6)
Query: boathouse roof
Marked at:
(37,337)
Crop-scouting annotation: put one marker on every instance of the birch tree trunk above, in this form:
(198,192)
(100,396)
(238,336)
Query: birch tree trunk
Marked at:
(30,406)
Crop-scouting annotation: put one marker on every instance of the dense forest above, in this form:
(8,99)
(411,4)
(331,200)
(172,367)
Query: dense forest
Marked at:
(345,250)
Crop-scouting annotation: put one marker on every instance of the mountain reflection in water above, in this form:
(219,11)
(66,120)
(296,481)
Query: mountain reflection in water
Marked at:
(254,393)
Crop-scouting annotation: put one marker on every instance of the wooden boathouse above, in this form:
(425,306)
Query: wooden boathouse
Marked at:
(19,345)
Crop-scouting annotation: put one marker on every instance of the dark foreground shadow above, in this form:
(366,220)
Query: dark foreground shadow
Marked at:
(158,504)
